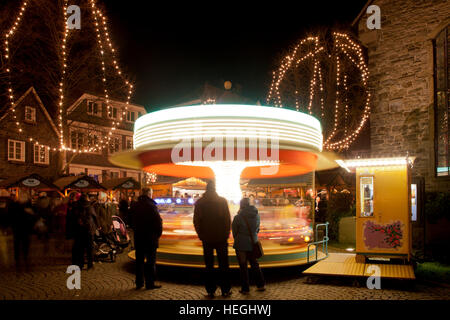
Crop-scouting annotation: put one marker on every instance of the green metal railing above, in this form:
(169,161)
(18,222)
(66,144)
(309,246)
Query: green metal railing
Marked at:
(324,243)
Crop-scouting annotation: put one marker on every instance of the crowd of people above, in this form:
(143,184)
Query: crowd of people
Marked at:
(79,217)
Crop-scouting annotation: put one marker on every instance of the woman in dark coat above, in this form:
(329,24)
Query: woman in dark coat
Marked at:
(247,218)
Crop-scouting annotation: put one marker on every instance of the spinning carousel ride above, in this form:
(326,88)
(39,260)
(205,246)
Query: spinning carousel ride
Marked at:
(230,143)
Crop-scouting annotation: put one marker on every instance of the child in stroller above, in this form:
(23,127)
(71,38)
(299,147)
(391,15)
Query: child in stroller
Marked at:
(108,245)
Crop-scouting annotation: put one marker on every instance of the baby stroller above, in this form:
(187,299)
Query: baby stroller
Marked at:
(105,249)
(119,233)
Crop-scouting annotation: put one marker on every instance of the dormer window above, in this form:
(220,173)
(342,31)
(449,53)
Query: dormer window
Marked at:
(130,116)
(93,108)
(30,114)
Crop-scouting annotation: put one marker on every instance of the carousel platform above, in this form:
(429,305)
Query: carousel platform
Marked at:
(346,265)
(190,254)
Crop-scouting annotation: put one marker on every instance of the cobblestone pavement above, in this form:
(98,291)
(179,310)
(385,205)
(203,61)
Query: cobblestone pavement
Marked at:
(109,281)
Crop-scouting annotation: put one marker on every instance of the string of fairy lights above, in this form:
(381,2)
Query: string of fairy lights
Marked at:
(309,50)
(8,37)
(103,35)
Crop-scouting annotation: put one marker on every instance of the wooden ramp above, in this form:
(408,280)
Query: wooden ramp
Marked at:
(345,264)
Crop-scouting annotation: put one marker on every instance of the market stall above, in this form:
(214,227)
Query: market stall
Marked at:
(80,183)
(121,188)
(33,184)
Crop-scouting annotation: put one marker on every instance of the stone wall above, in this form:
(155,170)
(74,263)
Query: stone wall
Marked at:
(401,82)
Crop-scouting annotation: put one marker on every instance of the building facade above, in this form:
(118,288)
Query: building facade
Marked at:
(89,122)
(409,81)
(34,149)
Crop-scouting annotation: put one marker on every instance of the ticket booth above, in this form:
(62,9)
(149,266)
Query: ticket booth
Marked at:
(383,206)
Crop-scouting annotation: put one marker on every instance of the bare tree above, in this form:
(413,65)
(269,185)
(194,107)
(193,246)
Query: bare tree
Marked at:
(36,58)
(322,75)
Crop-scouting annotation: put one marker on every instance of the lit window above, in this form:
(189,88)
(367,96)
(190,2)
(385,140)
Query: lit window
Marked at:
(129,141)
(366,195)
(114,145)
(77,140)
(41,154)
(16,150)
(30,114)
(441,94)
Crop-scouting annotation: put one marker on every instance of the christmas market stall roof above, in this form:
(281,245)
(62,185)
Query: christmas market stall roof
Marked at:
(81,182)
(127,183)
(31,181)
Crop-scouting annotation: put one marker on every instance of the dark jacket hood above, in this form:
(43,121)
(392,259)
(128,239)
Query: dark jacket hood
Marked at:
(250,211)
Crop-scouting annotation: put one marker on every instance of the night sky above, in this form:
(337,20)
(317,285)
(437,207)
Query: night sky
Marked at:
(171,51)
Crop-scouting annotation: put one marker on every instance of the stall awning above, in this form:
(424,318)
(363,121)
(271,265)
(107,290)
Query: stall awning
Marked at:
(127,183)
(295,181)
(81,182)
(32,181)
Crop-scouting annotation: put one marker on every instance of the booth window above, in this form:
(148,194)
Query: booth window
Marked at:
(441,98)
(366,189)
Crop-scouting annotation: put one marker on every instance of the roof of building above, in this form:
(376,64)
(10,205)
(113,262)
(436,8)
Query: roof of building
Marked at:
(362,12)
(121,183)
(93,96)
(28,181)
(41,105)
(78,182)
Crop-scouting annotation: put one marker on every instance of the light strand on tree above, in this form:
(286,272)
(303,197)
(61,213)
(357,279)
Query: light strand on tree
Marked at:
(344,48)
(8,37)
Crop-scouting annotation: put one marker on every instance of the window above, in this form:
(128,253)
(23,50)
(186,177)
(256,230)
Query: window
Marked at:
(77,140)
(130,116)
(114,145)
(41,154)
(114,174)
(112,113)
(441,98)
(30,114)
(129,143)
(94,108)
(16,150)
(366,192)
(85,140)
(139,114)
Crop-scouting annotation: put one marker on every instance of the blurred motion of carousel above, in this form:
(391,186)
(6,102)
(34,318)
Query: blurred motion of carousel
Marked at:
(264,153)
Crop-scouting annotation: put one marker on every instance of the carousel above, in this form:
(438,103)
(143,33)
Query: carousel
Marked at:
(231,144)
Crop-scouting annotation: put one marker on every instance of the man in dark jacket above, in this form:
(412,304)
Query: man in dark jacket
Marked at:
(85,220)
(212,222)
(147,226)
